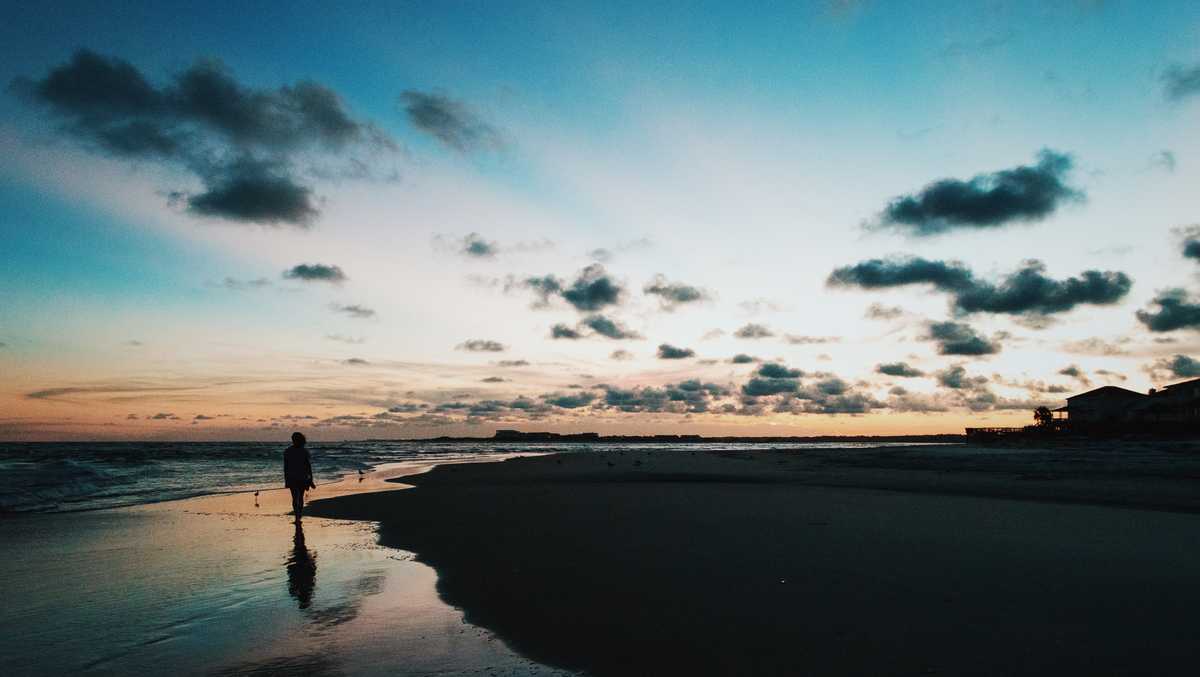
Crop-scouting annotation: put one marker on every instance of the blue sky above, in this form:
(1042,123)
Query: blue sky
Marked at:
(740,152)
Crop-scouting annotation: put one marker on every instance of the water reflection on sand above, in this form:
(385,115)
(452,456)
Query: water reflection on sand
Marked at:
(227,585)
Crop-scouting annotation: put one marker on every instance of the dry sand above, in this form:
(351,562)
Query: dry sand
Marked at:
(980,562)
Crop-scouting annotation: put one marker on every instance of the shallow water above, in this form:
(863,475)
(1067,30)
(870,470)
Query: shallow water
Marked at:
(75,476)
(227,584)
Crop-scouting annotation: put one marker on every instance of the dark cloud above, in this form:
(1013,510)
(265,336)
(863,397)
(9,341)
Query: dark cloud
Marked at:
(691,396)
(481,346)
(474,245)
(355,362)
(1181,82)
(742,358)
(621,355)
(1024,193)
(901,369)
(667,351)
(353,310)
(1179,366)
(609,328)
(671,295)
(562,331)
(1112,374)
(592,289)
(572,401)
(494,379)
(1026,292)
(1176,310)
(315,272)
(1076,373)
(241,142)
(955,378)
(753,331)
(955,338)
(449,121)
(772,378)
(163,416)
(202,417)
(255,192)
(513,363)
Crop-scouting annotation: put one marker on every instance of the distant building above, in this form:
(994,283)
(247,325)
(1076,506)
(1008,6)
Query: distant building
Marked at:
(1102,406)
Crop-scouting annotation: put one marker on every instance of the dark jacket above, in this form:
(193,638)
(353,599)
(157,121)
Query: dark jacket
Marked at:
(297,468)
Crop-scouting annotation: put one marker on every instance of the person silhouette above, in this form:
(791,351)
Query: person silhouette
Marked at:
(301,570)
(297,472)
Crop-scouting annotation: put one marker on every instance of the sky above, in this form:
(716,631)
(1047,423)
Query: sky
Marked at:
(386,220)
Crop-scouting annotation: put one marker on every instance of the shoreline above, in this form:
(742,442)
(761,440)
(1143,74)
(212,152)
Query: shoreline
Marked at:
(744,562)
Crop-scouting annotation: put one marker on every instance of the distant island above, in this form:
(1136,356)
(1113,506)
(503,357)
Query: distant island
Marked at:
(559,438)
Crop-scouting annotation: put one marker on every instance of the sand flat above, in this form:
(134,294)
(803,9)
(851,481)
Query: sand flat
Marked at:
(773,563)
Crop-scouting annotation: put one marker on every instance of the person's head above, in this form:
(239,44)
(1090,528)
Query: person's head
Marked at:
(298,439)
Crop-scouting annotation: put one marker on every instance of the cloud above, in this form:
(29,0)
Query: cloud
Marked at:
(1112,375)
(1076,373)
(1028,291)
(955,378)
(742,358)
(878,311)
(474,245)
(593,289)
(353,310)
(1176,310)
(1164,160)
(315,272)
(481,346)
(901,369)
(753,331)
(512,363)
(760,305)
(243,143)
(674,294)
(256,192)
(606,255)
(1179,366)
(691,396)
(772,378)
(494,379)
(163,416)
(1023,193)
(1189,238)
(352,340)
(1181,82)
(572,401)
(355,362)
(798,340)
(202,417)
(712,334)
(234,284)
(667,351)
(562,331)
(955,338)
(449,121)
(621,355)
(1096,346)
(609,328)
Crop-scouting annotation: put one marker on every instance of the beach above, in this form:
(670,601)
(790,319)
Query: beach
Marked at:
(921,560)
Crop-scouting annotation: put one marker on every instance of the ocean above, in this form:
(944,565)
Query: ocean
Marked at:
(41,477)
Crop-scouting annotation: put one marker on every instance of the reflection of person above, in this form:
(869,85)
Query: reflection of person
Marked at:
(297,472)
(301,570)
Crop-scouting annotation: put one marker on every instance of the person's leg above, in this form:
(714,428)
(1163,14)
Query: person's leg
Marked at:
(297,501)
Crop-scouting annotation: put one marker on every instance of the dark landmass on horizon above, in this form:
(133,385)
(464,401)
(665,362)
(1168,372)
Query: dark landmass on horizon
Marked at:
(520,436)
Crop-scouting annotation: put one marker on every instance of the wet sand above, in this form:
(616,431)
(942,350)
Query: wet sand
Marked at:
(227,585)
(995,563)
